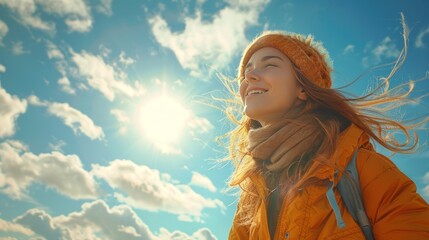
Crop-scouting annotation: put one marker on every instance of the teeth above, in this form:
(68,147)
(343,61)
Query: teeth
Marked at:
(255,92)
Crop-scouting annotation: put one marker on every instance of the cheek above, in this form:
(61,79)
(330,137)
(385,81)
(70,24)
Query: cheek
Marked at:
(243,87)
(283,88)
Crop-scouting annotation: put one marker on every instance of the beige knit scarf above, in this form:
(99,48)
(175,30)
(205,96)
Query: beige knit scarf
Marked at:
(279,145)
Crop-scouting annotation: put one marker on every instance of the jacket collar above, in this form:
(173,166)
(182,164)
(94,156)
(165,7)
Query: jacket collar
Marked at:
(348,141)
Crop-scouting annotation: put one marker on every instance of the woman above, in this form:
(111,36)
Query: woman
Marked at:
(297,136)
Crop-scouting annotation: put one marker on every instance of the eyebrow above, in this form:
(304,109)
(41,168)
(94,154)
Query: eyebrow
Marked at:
(264,59)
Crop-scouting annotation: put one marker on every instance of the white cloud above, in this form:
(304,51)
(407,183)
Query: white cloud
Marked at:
(200,2)
(122,119)
(96,221)
(204,234)
(129,230)
(119,222)
(125,60)
(202,125)
(57,146)
(76,120)
(6,226)
(386,49)
(82,86)
(53,52)
(71,117)
(65,85)
(76,13)
(168,149)
(79,25)
(2,69)
(104,77)
(3,31)
(144,188)
(18,48)
(41,223)
(212,43)
(105,7)
(179,82)
(120,115)
(349,49)
(202,181)
(201,234)
(34,100)
(26,14)
(105,52)
(10,107)
(419,39)
(20,168)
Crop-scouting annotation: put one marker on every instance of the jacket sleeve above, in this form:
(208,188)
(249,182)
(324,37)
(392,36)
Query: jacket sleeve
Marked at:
(393,206)
(238,232)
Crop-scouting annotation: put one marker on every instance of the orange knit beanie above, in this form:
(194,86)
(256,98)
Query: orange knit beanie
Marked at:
(309,56)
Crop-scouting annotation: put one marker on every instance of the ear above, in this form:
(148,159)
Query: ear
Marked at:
(302,95)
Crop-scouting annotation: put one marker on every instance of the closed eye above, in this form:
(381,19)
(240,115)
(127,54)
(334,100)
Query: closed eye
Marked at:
(270,65)
(247,70)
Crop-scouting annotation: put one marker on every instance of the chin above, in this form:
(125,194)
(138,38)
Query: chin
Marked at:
(255,115)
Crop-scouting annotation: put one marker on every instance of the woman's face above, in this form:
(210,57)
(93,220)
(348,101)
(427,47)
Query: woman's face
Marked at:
(269,88)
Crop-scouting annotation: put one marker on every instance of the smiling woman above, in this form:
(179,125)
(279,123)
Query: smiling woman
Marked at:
(157,123)
(296,138)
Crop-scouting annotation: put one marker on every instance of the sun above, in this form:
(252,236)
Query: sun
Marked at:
(163,120)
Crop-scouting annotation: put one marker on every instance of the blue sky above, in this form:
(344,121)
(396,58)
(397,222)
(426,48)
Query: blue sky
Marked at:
(102,135)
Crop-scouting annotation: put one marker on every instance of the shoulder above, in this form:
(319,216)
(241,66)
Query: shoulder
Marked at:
(394,208)
(374,167)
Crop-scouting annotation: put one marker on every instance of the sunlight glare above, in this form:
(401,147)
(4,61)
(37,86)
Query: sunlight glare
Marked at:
(163,120)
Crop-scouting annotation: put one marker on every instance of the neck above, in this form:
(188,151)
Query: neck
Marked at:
(271,119)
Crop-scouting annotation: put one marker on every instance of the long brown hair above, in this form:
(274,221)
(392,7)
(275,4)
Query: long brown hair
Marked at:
(368,112)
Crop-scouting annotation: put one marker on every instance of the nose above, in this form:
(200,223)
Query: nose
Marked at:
(251,75)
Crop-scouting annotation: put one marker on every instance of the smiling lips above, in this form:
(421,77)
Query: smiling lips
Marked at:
(253,91)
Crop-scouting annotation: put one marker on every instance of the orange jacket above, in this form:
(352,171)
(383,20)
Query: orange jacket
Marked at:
(393,207)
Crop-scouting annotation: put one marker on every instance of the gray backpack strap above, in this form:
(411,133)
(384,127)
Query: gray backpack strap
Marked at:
(349,188)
